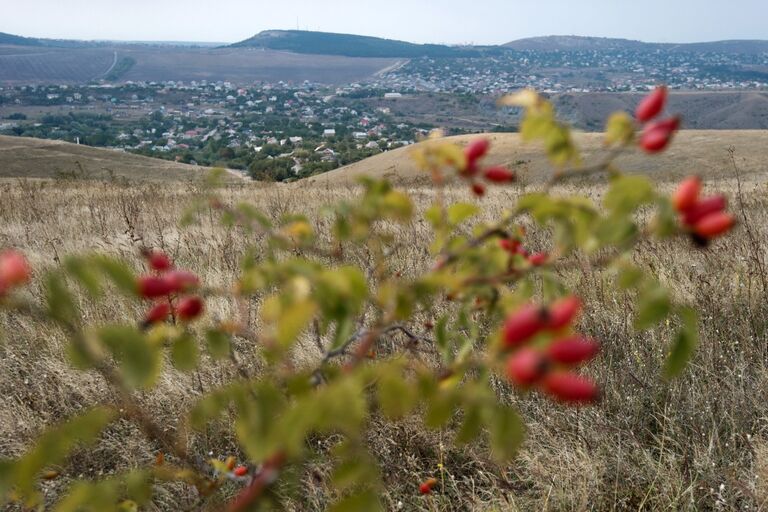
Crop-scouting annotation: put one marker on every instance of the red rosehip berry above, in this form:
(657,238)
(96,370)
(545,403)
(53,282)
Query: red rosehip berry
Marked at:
(538,259)
(687,194)
(652,105)
(478,189)
(573,350)
(563,312)
(189,308)
(523,324)
(240,471)
(499,175)
(571,388)
(153,287)
(476,150)
(657,136)
(159,261)
(158,313)
(426,487)
(470,170)
(714,225)
(510,245)
(704,208)
(526,367)
(14,269)
(181,281)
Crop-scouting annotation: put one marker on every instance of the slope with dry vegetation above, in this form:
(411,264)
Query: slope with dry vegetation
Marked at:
(698,443)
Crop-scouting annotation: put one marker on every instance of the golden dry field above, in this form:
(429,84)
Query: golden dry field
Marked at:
(697,443)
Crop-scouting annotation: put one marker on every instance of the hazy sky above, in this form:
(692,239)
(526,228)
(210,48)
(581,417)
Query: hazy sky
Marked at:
(434,21)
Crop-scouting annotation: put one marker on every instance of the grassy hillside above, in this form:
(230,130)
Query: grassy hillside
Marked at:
(324,43)
(36,158)
(703,152)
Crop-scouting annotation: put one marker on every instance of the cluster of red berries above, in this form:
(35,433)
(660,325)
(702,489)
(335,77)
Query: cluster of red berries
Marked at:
(550,367)
(15,271)
(514,246)
(706,217)
(472,171)
(657,134)
(165,285)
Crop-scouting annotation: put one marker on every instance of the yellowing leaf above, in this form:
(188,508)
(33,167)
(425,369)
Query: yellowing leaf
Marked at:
(293,320)
(459,212)
(526,98)
(620,129)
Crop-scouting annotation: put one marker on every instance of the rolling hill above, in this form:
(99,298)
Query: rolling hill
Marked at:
(694,151)
(36,158)
(18,40)
(581,43)
(325,43)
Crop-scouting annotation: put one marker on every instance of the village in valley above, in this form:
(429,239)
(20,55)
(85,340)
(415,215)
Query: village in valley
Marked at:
(287,130)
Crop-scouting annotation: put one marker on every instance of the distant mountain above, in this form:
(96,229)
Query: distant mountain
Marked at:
(580,43)
(18,40)
(325,43)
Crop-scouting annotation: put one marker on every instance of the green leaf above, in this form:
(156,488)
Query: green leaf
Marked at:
(629,276)
(396,396)
(139,360)
(92,497)
(367,500)
(219,343)
(686,341)
(85,274)
(471,425)
(440,408)
(434,216)
(184,352)
(53,447)
(356,468)
(397,206)
(653,306)
(620,129)
(293,320)
(459,212)
(119,273)
(627,193)
(507,432)
(61,304)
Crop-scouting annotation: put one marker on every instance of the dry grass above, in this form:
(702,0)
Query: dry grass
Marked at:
(697,443)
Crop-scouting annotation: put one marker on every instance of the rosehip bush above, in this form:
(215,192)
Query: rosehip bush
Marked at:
(487,320)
